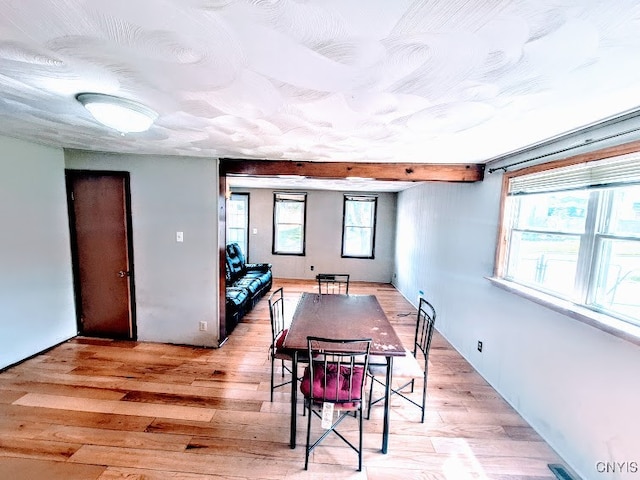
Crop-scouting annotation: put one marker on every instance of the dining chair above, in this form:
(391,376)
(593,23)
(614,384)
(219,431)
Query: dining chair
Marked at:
(278,334)
(334,381)
(333,283)
(410,367)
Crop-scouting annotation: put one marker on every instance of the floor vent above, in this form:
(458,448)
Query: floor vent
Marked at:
(561,472)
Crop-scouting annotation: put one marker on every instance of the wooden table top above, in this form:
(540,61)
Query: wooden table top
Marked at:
(343,317)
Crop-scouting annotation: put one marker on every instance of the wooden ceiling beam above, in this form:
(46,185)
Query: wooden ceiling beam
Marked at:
(407,172)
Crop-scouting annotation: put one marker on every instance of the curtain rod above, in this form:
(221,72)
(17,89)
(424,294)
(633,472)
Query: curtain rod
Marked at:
(562,150)
(604,123)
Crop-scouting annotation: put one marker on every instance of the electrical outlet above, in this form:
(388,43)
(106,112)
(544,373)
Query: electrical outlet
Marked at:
(312,267)
(479,346)
(203,326)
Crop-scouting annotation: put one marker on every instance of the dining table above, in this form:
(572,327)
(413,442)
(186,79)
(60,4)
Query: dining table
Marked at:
(338,316)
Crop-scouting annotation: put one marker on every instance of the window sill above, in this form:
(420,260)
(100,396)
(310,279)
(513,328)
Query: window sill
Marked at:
(606,323)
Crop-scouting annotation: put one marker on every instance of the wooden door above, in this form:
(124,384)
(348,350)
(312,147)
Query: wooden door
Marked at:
(100,230)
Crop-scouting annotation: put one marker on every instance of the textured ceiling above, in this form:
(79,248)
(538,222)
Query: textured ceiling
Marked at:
(440,81)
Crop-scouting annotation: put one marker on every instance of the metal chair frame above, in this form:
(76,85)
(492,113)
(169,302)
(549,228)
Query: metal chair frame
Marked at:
(344,356)
(425,322)
(276,312)
(333,283)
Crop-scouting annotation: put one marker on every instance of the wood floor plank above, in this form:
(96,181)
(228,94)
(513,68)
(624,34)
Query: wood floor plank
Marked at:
(195,401)
(10,396)
(29,469)
(114,410)
(124,423)
(118,473)
(37,449)
(113,438)
(59,389)
(109,406)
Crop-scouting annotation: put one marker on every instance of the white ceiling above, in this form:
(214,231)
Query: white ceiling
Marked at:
(432,81)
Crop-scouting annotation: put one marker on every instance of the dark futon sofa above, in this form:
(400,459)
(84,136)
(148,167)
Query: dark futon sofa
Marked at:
(246,284)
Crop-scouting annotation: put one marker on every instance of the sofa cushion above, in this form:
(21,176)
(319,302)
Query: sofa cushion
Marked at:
(237,296)
(263,277)
(253,285)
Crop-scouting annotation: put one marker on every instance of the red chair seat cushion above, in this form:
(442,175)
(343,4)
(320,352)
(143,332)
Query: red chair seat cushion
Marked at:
(281,352)
(280,339)
(331,386)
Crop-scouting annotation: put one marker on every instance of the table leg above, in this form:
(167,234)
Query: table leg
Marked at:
(387,399)
(294,399)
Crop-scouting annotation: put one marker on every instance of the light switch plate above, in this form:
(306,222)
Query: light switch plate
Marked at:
(179,236)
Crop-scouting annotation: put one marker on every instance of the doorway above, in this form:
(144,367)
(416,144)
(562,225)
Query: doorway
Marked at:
(99,206)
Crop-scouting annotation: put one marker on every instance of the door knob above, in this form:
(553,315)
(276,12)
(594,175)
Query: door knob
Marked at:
(123,274)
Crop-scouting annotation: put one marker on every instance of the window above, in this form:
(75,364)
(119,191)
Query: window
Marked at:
(359,226)
(289,216)
(573,232)
(238,221)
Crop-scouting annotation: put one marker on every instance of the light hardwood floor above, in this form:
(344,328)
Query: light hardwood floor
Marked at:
(107,410)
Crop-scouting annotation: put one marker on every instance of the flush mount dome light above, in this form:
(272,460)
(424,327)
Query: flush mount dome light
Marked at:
(118,113)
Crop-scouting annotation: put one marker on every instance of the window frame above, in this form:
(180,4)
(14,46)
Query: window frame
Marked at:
(582,308)
(360,198)
(276,201)
(247,223)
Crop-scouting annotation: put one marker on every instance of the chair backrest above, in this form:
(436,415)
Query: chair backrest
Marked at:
(276,312)
(333,283)
(236,266)
(424,329)
(337,372)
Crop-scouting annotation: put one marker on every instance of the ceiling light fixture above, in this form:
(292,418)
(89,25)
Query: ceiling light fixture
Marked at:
(118,113)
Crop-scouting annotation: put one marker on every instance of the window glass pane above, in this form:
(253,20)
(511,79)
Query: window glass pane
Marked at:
(357,241)
(546,261)
(290,212)
(618,273)
(238,236)
(359,213)
(553,212)
(289,238)
(238,221)
(625,213)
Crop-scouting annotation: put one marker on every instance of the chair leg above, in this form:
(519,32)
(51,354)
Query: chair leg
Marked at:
(424,396)
(360,442)
(306,453)
(272,368)
(370,399)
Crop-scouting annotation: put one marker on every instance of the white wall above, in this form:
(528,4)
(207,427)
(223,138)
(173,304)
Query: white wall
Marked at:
(36,285)
(323,238)
(176,284)
(576,385)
